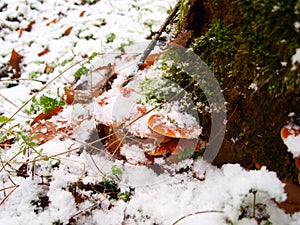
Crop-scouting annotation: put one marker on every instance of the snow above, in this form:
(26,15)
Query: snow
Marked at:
(293,144)
(296,59)
(163,193)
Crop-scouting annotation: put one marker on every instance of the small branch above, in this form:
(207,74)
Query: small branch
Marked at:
(196,213)
(153,42)
(6,197)
(160,31)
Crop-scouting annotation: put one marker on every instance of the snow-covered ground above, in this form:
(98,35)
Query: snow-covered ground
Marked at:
(59,181)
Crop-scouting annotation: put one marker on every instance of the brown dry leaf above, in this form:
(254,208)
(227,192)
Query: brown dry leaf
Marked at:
(28,28)
(47,115)
(48,69)
(6,143)
(82,13)
(44,131)
(21,31)
(68,31)
(43,52)
(149,61)
(69,96)
(103,68)
(54,21)
(23,170)
(14,62)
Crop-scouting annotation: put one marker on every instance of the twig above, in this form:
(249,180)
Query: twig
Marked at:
(153,42)
(6,197)
(196,213)
(26,79)
(158,34)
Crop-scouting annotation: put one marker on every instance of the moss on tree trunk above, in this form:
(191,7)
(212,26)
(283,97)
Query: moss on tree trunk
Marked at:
(249,47)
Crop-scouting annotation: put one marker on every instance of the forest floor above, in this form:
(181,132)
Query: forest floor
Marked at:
(63,175)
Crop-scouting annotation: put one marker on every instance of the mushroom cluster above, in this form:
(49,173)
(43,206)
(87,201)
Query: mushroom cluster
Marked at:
(139,131)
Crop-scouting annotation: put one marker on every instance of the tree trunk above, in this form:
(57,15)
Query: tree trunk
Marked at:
(241,41)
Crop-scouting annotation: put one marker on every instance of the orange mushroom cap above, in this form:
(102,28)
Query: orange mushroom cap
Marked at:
(157,124)
(160,150)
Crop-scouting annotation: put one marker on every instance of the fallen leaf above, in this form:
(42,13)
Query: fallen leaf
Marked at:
(28,28)
(44,131)
(43,52)
(84,56)
(6,143)
(142,109)
(69,96)
(47,115)
(82,13)
(48,69)
(103,101)
(23,170)
(68,31)
(54,21)
(21,31)
(14,62)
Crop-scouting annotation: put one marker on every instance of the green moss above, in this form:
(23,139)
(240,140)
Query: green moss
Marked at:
(183,9)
